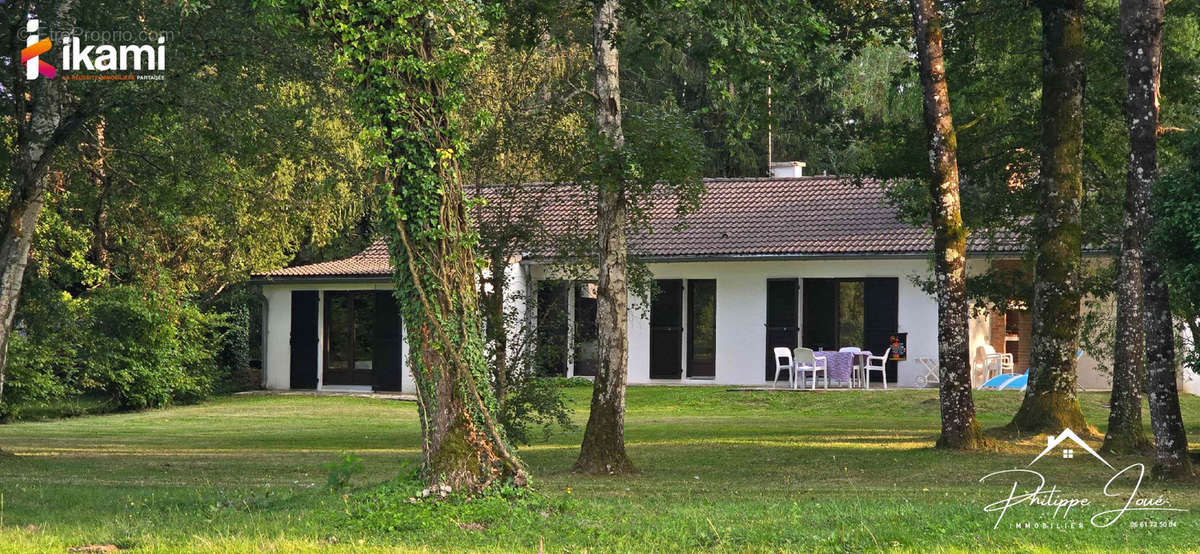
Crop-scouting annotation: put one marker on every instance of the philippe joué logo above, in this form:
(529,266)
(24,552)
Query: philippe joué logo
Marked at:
(78,55)
(1035,503)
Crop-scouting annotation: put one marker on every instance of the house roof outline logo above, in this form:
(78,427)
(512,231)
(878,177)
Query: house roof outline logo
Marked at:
(1053,442)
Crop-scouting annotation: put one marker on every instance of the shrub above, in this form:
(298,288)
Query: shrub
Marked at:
(148,350)
(141,348)
(233,359)
(42,355)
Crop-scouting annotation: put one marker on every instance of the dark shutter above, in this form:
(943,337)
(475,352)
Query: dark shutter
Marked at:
(552,328)
(881,316)
(304,339)
(387,356)
(782,317)
(820,313)
(666,330)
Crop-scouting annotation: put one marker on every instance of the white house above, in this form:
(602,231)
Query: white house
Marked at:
(821,262)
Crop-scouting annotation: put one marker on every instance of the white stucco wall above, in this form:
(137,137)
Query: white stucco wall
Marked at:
(742,310)
(277,373)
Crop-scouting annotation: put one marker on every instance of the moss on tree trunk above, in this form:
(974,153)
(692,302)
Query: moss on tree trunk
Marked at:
(411,60)
(960,429)
(1050,402)
(1141,29)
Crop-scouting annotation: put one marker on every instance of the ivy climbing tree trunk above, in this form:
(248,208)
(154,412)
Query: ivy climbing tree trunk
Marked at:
(1141,30)
(960,429)
(410,61)
(1050,402)
(603,448)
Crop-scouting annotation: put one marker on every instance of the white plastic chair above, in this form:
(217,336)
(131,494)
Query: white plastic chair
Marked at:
(876,363)
(855,365)
(807,362)
(1000,363)
(783,362)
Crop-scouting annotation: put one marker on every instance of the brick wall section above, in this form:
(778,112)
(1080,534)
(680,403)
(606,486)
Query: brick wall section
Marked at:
(1026,346)
(996,333)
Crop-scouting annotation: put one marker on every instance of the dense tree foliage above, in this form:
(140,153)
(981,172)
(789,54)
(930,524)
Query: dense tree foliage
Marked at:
(173,191)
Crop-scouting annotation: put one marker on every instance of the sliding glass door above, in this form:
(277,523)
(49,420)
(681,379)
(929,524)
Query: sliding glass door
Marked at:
(349,348)
(702,328)
(862,312)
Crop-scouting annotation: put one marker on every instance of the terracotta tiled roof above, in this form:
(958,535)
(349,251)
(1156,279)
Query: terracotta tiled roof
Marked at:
(370,262)
(804,216)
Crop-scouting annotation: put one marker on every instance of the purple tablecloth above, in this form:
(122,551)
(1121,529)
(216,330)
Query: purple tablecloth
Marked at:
(840,363)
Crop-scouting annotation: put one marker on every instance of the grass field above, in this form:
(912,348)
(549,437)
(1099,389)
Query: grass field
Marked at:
(732,471)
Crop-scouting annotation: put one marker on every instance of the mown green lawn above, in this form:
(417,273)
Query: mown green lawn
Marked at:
(732,471)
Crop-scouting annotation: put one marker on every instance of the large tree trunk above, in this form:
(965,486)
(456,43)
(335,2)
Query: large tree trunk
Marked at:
(1050,402)
(409,88)
(603,449)
(959,426)
(1125,434)
(435,274)
(1141,29)
(41,127)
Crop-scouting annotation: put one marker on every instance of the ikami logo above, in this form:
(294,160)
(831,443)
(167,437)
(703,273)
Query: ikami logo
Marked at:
(103,57)
(31,54)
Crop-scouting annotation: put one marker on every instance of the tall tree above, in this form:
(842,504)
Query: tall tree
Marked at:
(960,429)
(1050,402)
(43,124)
(1141,30)
(603,448)
(1125,434)
(410,62)
(157,209)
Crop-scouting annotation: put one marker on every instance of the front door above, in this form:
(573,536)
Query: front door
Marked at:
(782,316)
(666,330)
(702,328)
(587,338)
(852,312)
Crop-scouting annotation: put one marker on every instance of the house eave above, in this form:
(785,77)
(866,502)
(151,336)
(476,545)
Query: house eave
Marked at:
(693,258)
(319,279)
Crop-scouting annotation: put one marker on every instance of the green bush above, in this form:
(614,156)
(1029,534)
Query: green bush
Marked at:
(147,350)
(233,360)
(141,348)
(43,353)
